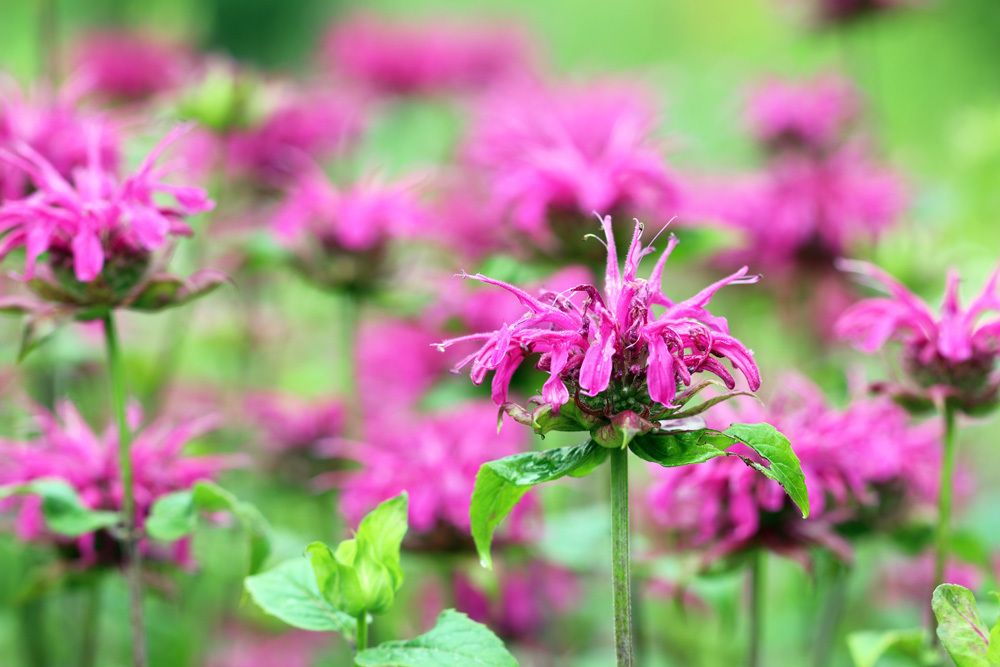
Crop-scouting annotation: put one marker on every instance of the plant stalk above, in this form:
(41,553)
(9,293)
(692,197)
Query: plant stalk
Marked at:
(620,559)
(942,533)
(362,642)
(133,558)
(756,602)
(91,625)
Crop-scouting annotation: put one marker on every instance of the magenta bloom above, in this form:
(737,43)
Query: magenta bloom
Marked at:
(301,129)
(814,115)
(859,463)
(97,217)
(608,351)
(130,66)
(434,458)
(956,350)
(422,58)
(571,152)
(67,449)
(289,424)
(243,647)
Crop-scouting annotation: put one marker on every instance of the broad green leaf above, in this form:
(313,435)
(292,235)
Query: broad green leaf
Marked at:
(384,528)
(501,484)
(868,648)
(62,508)
(289,592)
(455,641)
(677,448)
(784,466)
(960,629)
(175,515)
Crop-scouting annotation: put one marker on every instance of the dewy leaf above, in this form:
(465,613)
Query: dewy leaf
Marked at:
(501,484)
(960,629)
(62,508)
(867,648)
(289,592)
(455,641)
(784,466)
(175,515)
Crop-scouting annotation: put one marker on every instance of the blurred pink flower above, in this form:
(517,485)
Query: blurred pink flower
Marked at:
(414,58)
(615,339)
(911,581)
(530,595)
(434,458)
(66,448)
(130,66)
(955,351)
(241,647)
(290,424)
(97,217)
(53,127)
(571,152)
(859,463)
(306,127)
(814,115)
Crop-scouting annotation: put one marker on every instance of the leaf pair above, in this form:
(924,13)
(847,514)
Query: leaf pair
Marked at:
(501,484)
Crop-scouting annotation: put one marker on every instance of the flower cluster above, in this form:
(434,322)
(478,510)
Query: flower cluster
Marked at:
(814,116)
(67,449)
(130,66)
(626,349)
(952,355)
(294,425)
(864,465)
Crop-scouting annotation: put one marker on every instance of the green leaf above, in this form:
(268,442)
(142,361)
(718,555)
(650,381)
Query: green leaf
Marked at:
(501,484)
(960,629)
(455,641)
(867,648)
(167,291)
(176,515)
(784,466)
(677,448)
(384,528)
(289,592)
(62,508)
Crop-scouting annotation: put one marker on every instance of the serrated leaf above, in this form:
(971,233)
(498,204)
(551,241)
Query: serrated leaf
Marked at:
(868,648)
(62,508)
(455,641)
(961,631)
(501,484)
(784,466)
(289,592)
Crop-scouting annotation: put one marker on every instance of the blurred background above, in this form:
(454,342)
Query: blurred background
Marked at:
(312,355)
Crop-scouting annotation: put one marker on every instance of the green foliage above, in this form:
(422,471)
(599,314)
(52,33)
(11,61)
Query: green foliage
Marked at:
(868,648)
(176,515)
(961,630)
(289,593)
(501,484)
(62,508)
(454,641)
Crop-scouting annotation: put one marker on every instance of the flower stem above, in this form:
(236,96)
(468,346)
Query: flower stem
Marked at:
(362,642)
(757,595)
(620,559)
(942,533)
(31,617)
(833,603)
(91,624)
(133,559)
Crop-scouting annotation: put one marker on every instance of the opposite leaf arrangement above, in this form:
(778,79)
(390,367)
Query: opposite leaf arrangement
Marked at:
(342,589)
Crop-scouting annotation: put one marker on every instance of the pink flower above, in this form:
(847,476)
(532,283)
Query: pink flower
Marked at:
(302,128)
(422,58)
(130,66)
(434,458)
(814,115)
(242,647)
(67,449)
(910,582)
(571,152)
(858,462)
(608,351)
(954,350)
(290,424)
(97,216)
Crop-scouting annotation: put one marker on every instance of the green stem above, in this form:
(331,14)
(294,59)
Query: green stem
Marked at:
(31,617)
(757,596)
(362,642)
(942,533)
(91,625)
(133,558)
(831,614)
(620,559)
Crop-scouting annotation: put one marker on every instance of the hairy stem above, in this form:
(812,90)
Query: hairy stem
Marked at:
(133,559)
(756,611)
(620,559)
(942,532)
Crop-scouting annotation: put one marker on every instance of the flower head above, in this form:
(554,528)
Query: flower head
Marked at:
(955,351)
(813,116)
(434,458)
(554,157)
(67,449)
(130,66)
(627,348)
(422,58)
(291,425)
